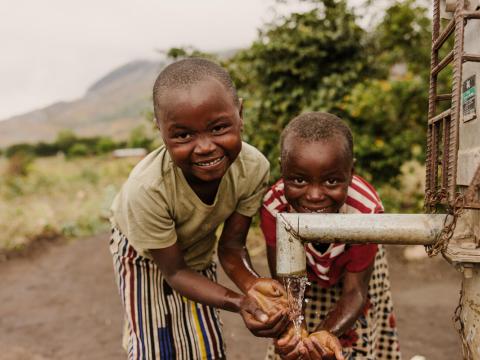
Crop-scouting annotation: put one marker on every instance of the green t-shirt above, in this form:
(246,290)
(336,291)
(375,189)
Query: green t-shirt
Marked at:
(157,208)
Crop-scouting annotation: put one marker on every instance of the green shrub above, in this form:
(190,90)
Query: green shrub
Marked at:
(77,150)
(19,164)
(23,148)
(105,145)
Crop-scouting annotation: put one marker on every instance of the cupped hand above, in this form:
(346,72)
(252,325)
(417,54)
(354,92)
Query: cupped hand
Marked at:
(259,322)
(290,345)
(269,295)
(323,345)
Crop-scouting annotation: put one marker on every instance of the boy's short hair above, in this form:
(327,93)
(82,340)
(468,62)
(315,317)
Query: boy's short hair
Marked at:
(184,73)
(318,126)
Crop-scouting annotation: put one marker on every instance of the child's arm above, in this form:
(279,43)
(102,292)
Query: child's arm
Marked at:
(191,284)
(350,304)
(268,293)
(198,288)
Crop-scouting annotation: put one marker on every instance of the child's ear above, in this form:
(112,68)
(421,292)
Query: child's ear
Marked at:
(240,112)
(352,171)
(240,108)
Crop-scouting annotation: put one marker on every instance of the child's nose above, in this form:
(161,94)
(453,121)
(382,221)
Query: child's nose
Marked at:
(315,193)
(204,145)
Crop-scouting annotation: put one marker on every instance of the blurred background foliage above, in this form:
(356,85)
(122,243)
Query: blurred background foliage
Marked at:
(324,58)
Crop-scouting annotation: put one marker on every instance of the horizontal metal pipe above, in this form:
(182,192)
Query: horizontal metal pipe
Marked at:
(406,229)
(294,229)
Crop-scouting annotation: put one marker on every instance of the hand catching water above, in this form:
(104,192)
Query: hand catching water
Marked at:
(290,346)
(320,345)
(323,345)
(269,295)
(264,308)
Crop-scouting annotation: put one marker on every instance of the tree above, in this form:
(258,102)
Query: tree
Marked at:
(322,60)
(140,138)
(65,140)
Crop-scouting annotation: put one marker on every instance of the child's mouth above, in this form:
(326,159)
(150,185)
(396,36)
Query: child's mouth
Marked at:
(209,163)
(318,211)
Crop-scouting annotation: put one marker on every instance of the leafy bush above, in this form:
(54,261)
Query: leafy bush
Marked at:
(22,148)
(19,164)
(140,137)
(77,150)
(105,145)
(65,140)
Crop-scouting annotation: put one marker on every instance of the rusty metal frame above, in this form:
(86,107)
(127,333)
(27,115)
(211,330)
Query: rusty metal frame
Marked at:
(443,128)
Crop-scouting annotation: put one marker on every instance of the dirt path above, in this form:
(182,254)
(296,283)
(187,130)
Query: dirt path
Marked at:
(61,303)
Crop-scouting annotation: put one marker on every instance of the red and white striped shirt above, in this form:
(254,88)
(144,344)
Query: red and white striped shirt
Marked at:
(327,267)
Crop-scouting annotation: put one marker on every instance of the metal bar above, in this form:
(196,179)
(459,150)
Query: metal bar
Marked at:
(434,160)
(432,105)
(471,15)
(436,20)
(470,57)
(442,64)
(439,117)
(428,166)
(293,228)
(443,97)
(446,151)
(456,99)
(444,181)
(403,229)
(472,205)
(444,35)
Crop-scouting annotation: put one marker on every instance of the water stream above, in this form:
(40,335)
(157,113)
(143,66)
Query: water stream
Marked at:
(295,286)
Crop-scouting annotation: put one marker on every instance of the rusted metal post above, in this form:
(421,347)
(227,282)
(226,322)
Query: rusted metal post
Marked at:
(464,251)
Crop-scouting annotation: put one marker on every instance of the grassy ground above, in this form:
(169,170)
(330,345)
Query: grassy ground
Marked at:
(57,197)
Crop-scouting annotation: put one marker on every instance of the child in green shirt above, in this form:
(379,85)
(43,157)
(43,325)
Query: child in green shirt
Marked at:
(166,215)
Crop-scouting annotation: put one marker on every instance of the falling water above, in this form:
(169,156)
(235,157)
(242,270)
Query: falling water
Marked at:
(295,286)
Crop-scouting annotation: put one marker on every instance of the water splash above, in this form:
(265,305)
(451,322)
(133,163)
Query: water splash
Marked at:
(295,286)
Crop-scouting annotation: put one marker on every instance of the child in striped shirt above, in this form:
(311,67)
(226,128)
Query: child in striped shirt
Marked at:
(350,292)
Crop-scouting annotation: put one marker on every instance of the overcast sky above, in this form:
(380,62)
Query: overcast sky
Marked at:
(53,50)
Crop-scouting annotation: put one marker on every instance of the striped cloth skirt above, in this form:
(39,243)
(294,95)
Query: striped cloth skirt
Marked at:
(159,322)
(374,335)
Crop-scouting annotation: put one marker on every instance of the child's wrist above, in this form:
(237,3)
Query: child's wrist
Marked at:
(233,301)
(249,283)
(322,327)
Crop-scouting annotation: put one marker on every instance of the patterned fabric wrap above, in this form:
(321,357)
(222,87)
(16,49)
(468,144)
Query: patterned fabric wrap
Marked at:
(374,335)
(160,323)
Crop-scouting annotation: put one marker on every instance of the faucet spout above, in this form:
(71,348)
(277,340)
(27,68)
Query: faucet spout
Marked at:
(293,230)
(291,257)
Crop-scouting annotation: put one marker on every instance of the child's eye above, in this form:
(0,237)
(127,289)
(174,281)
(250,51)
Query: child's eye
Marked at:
(299,181)
(184,136)
(332,182)
(219,129)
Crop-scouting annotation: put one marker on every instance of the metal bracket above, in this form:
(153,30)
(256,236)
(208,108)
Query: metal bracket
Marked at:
(456,254)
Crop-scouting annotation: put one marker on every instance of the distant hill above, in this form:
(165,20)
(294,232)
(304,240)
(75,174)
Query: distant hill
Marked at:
(112,106)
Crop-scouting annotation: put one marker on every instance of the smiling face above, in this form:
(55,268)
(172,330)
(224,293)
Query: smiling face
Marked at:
(316,174)
(201,126)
